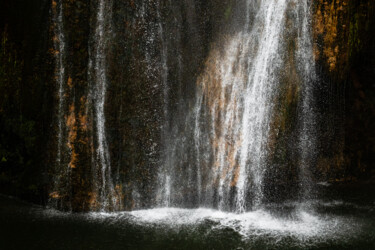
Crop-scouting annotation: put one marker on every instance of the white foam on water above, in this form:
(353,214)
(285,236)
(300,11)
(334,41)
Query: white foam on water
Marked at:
(301,224)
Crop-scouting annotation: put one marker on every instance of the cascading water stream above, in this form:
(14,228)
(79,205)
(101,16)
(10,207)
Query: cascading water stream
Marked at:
(258,101)
(63,169)
(98,65)
(176,134)
(166,178)
(60,75)
(239,89)
(307,144)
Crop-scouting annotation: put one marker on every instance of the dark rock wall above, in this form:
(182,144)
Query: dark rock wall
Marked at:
(26,94)
(344,50)
(77,16)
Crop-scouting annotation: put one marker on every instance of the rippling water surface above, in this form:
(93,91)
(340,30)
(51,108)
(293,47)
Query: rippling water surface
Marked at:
(335,224)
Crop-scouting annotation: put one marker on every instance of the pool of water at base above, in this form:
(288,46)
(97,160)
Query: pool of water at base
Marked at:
(318,224)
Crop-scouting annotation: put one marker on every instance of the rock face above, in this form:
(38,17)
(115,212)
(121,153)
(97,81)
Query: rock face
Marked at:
(344,51)
(27,102)
(156,53)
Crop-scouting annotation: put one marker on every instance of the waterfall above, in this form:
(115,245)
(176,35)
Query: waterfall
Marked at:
(176,135)
(235,108)
(239,89)
(165,177)
(217,142)
(307,144)
(98,87)
(62,175)
(59,41)
(257,104)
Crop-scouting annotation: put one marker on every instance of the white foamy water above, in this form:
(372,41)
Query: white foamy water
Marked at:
(301,224)
(176,228)
(245,223)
